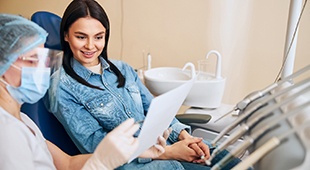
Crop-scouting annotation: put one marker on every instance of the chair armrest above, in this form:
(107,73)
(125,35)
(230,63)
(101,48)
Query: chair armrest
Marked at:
(193,118)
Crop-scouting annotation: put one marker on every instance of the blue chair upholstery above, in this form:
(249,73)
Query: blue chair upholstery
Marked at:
(50,126)
(51,23)
(46,121)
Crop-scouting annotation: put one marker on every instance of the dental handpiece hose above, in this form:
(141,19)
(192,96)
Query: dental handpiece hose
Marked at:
(258,94)
(253,109)
(236,123)
(269,110)
(271,125)
(267,147)
(271,144)
(253,122)
(241,148)
(234,137)
(248,100)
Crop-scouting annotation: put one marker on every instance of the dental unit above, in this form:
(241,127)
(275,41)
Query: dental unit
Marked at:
(250,139)
(245,127)
(242,106)
(276,141)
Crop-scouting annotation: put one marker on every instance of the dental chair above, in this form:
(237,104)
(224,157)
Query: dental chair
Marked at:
(51,128)
(46,121)
(51,23)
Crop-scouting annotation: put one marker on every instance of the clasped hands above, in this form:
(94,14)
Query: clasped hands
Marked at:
(188,148)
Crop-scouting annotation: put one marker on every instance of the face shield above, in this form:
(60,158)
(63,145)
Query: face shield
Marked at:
(46,62)
(36,68)
(42,58)
(37,65)
(54,62)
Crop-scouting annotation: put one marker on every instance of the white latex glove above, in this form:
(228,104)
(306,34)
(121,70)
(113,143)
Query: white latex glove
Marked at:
(116,148)
(159,148)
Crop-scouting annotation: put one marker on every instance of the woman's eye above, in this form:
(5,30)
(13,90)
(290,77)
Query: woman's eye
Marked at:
(99,37)
(81,37)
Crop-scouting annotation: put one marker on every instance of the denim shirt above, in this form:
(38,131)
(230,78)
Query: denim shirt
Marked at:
(88,114)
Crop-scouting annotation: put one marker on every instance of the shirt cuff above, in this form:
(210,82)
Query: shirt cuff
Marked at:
(144,160)
(177,127)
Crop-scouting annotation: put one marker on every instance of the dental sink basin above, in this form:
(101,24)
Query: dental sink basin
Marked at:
(162,79)
(207,92)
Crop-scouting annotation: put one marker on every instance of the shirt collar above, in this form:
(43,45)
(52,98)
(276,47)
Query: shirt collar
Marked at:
(83,72)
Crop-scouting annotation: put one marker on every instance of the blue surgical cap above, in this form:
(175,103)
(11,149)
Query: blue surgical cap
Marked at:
(18,35)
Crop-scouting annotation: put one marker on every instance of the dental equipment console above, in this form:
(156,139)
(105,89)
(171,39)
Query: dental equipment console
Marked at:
(255,136)
(276,141)
(266,116)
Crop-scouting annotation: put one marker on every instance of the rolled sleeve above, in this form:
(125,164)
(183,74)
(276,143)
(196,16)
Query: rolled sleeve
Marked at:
(177,127)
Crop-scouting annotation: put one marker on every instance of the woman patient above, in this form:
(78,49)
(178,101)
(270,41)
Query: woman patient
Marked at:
(97,94)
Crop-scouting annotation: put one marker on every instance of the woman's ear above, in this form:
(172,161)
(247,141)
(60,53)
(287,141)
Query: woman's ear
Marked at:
(66,36)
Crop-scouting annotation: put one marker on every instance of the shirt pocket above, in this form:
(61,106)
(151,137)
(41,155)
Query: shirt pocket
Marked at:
(135,95)
(100,104)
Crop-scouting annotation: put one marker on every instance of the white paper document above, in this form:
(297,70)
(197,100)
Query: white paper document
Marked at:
(162,110)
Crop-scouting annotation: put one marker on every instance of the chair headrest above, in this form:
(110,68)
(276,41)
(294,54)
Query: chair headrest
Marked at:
(51,23)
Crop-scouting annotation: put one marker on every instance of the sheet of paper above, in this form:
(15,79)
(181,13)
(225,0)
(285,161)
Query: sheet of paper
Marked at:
(162,110)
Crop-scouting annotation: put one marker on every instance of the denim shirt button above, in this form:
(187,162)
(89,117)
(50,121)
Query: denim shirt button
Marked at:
(101,104)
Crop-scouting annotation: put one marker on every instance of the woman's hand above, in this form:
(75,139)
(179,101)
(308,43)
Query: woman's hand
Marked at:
(158,149)
(201,149)
(182,151)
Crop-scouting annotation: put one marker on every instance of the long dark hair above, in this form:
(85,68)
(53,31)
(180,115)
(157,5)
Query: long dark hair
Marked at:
(80,9)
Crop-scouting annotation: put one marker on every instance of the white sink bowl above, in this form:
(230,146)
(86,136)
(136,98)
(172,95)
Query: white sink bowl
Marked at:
(205,93)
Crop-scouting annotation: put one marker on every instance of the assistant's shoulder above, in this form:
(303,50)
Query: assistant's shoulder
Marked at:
(10,126)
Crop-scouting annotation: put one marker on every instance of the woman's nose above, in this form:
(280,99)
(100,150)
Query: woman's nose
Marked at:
(89,44)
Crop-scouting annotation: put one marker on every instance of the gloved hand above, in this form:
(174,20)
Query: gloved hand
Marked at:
(159,148)
(116,148)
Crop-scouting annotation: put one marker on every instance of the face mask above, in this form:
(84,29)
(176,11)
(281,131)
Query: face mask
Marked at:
(34,84)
